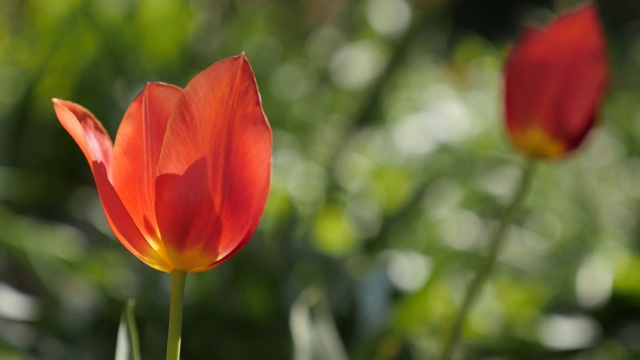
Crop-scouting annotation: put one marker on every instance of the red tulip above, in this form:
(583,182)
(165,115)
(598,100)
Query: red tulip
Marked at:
(185,184)
(555,79)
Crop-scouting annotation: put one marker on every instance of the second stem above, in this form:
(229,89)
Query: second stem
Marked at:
(495,244)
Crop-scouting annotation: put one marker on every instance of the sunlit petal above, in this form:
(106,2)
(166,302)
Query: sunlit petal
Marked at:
(137,149)
(86,130)
(218,120)
(123,225)
(95,143)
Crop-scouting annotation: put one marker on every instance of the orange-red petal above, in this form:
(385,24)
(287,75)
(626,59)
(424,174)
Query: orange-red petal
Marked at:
(123,225)
(96,145)
(86,130)
(187,217)
(214,167)
(555,79)
(137,149)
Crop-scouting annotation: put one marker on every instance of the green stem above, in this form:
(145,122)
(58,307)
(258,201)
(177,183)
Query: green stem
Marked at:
(175,314)
(495,244)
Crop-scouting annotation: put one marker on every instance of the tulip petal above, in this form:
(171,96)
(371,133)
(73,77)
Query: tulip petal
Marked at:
(86,130)
(555,78)
(586,76)
(530,80)
(218,120)
(137,149)
(95,143)
(195,219)
(123,225)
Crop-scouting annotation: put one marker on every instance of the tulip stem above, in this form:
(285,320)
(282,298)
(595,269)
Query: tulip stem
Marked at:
(175,314)
(495,242)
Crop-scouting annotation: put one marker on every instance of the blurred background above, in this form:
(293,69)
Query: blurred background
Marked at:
(390,165)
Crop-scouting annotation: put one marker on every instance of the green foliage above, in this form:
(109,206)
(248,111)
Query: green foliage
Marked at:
(390,167)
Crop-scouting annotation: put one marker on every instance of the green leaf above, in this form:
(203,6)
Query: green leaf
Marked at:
(314,332)
(128,346)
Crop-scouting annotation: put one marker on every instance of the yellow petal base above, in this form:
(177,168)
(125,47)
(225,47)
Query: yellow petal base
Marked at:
(536,143)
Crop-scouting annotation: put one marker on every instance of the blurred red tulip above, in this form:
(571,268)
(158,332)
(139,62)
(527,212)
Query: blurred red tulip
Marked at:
(185,184)
(555,79)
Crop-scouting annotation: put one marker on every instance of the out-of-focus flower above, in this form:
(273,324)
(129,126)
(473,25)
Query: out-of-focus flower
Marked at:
(555,79)
(186,181)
